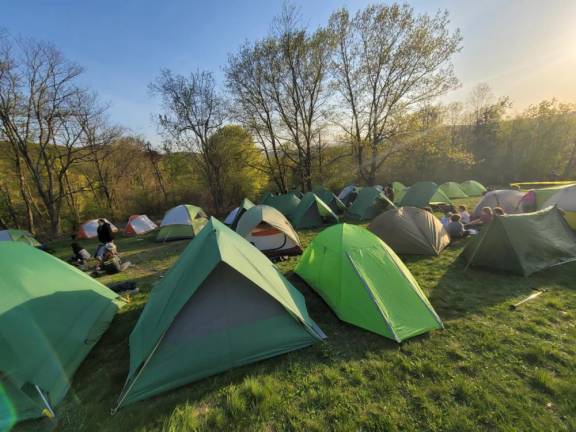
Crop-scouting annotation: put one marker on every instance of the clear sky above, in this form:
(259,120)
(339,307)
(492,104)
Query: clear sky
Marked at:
(525,49)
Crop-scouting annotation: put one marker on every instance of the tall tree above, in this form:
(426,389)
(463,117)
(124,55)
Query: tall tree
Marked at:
(388,61)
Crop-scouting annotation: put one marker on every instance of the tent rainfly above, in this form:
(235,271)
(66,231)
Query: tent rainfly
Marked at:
(181,222)
(139,225)
(422,194)
(235,215)
(19,236)
(269,231)
(453,190)
(369,203)
(507,199)
(366,284)
(88,230)
(330,199)
(51,316)
(285,204)
(472,188)
(410,230)
(312,212)
(222,305)
(565,199)
(523,243)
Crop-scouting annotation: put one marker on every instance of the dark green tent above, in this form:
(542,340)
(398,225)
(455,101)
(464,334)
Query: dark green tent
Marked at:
(285,204)
(222,305)
(51,316)
(330,199)
(312,212)
(422,194)
(235,215)
(523,243)
(369,203)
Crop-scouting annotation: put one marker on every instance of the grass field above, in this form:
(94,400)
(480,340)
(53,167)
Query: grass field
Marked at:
(491,369)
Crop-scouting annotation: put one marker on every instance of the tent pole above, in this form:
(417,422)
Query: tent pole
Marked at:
(45,401)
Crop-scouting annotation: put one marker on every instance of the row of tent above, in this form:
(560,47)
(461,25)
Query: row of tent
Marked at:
(223,304)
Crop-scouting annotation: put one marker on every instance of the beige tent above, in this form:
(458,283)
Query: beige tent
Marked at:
(270,231)
(410,230)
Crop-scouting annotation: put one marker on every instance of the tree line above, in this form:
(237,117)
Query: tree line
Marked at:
(354,101)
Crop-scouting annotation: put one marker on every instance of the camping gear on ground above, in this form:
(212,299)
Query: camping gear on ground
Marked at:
(139,225)
(19,236)
(222,305)
(181,222)
(348,194)
(423,194)
(366,284)
(453,190)
(535,199)
(399,190)
(523,243)
(89,229)
(565,199)
(410,230)
(235,215)
(472,188)
(532,296)
(51,316)
(285,204)
(312,212)
(269,231)
(507,199)
(369,203)
(330,199)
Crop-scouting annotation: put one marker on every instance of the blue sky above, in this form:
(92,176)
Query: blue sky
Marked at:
(525,49)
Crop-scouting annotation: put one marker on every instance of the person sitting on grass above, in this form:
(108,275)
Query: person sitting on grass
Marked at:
(455,228)
(464,215)
(445,220)
(110,262)
(79,255)
(484,219)
(498,211)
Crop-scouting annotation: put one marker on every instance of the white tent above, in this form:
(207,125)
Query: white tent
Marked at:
(88,229)
(138,225)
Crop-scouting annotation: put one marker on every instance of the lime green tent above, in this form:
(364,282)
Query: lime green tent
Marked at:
(473,188)
(399,190)
(312,212)
(523,243)
(222,305)
(366,284)
(330,199)
(235,215)
(369,203)
(422,194)
(453,190)
(51,316)
(181,222)
(285,204)
(19,236)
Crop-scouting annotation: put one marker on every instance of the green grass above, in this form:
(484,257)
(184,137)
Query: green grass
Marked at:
(490,369)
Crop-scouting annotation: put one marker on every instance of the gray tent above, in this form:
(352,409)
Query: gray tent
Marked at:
(507,199)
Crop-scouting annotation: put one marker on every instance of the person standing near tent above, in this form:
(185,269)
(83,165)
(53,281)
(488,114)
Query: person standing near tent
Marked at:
(105,236)
(389,192)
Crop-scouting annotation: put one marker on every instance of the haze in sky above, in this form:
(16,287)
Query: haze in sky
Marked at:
(525,49)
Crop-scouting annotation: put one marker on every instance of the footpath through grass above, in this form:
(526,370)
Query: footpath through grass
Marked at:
(490,369)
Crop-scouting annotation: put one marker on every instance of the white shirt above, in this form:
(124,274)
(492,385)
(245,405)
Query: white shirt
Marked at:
(465,217)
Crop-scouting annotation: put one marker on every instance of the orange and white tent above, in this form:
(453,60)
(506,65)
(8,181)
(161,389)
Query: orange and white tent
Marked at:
(138,225)
(88,229)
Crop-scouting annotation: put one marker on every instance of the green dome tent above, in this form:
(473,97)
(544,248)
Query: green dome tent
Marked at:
(472,188)
(285,204)
(410,230)
(524,243)
(222,305)
(235,215)
(453,190)
(312,212)
(181,222)
(19,236)
(369,203)
(422,194)
(51,316)
(330,199)
(399,190)
(366,284)
(565,199)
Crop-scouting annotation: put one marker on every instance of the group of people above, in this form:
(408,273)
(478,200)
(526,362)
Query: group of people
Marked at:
(459,224)
(106,253)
